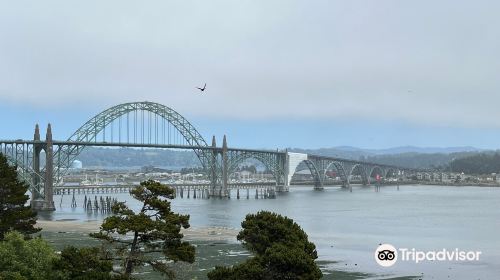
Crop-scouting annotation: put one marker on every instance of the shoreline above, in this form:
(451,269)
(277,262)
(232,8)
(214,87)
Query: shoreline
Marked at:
(215,246)
(486,185)
(414,183)
(221,234)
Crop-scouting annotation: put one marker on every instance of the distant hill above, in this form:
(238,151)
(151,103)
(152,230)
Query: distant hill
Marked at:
(406,156)
(420,160)
(483,163)
(353,152)
(127,157)
(426,150)
(414,157)
(341,152)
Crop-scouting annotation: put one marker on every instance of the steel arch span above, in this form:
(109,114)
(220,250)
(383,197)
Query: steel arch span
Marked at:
(313,170)
(362,171)
(272,161)
(100,123)
(380,170)
(340,169)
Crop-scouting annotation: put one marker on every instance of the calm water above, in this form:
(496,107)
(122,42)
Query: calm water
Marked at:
(347,227)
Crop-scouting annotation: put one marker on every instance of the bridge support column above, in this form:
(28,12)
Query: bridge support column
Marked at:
(365,176)
(292,160)
(213,171)
(36,199)
(315,168)
(318,185)
(225,190)
(282,171)
(48,202)
(347,183)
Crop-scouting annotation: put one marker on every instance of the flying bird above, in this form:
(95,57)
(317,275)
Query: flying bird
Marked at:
(204,87)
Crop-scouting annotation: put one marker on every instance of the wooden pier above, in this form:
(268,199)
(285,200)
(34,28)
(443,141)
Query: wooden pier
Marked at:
(196,191)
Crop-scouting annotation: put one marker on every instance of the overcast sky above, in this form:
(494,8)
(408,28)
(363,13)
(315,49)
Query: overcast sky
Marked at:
(363,73)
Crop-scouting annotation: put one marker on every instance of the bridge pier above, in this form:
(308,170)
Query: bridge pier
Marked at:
(225,175)
(49,174)
(318,188)
(47,203)
(219,188)
(213,169)
(36,162)
(36,200)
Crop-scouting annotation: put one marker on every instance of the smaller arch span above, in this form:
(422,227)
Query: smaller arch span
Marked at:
(270,161)
(362,172)
(340,169)
(314,171)
(378,171)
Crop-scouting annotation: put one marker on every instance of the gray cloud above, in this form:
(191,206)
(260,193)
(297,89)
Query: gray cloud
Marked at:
(416,61)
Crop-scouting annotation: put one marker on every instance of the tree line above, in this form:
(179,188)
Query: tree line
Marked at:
(483,163)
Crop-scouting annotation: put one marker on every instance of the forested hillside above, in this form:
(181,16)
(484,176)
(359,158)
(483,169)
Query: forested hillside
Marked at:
(416,160)
(467,162)
(123,157)
(412,157)
(484,163)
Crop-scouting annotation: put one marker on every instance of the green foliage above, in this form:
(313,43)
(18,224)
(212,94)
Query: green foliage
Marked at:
(289,262)
(483,163)
(155,231)
(34,259)
(14,215)
(26,259)
(262,230)
(418,160)
(251,269)
(84,264)
(282,251)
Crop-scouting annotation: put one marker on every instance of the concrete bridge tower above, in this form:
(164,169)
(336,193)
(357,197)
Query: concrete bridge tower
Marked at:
(225,175)
(213,169)
(37,148)
(47,202)
(49,172)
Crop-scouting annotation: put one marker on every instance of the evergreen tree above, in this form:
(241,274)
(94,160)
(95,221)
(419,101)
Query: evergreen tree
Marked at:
(86,263)
(26,259)
(155,231)
(281,251)
(14,213)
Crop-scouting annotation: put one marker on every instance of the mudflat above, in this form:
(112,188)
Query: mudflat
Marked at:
(88,226)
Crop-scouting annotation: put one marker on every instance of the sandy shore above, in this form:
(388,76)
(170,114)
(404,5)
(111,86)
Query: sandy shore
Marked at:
(199,233)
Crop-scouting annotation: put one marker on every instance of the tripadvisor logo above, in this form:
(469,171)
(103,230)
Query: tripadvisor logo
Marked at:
(386,255)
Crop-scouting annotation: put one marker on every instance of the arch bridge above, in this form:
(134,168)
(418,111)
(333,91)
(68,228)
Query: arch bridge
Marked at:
(332,170)
(153,125)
